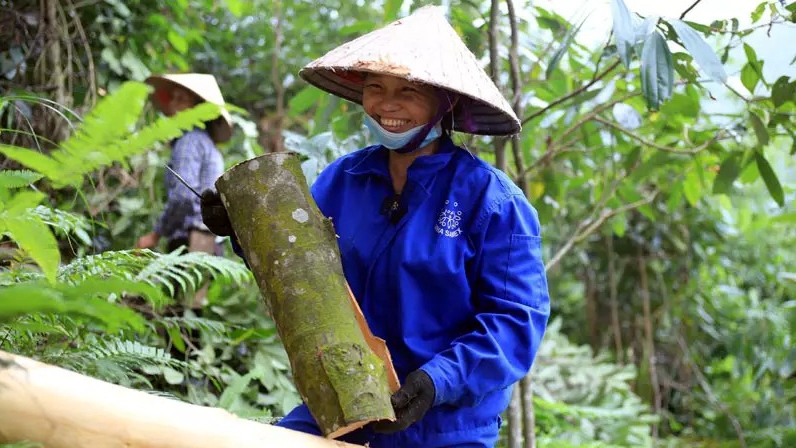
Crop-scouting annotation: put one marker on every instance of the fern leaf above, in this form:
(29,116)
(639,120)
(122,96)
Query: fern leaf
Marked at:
(17,178)
(118,264)
(35,238)
(196,323)
(64,222)
(119,148)
(34,160)
(110,120)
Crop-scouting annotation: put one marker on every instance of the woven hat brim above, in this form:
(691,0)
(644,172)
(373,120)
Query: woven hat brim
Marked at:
(220,129)
(470,115)
(423,48)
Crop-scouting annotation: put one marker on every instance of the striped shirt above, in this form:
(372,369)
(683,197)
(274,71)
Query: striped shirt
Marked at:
(195,158)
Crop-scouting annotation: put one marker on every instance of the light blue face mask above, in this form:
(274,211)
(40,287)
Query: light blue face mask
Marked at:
(397,140)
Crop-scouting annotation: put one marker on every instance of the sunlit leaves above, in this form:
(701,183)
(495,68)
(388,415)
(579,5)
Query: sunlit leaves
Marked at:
(657,71)
(700,50)
(562,49)
(623,30)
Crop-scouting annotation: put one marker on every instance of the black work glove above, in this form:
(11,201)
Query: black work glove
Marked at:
(411,402)
(214,214)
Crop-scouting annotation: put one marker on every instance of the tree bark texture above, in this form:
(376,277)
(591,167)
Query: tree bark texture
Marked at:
(514,414)
(292,252)
(529,423)
(58,408)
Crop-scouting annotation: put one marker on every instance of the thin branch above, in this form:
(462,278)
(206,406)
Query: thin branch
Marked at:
(682,16)
(613,279)
(279,145)
(703,382)
(499,143)
(658,146)
(572,94)
(516,94)
(649,342)
(586,228)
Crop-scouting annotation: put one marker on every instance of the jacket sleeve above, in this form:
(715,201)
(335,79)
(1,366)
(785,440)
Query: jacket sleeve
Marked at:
(181,202)
(511,295)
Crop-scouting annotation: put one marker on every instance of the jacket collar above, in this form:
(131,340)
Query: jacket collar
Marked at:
(375,162)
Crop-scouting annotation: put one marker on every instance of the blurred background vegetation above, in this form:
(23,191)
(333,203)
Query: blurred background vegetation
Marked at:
(659,155)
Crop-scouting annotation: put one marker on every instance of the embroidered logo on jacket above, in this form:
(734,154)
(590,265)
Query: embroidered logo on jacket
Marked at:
(448,221)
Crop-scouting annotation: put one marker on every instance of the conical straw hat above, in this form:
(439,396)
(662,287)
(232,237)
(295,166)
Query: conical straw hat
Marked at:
(204,86)
(422,47)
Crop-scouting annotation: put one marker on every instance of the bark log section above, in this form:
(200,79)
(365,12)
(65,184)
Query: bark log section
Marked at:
(341,370)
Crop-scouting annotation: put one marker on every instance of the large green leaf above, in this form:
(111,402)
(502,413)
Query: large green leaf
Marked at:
(700,50)
(303,100)
(783,91)
(760,129)
(729,170)
(391,8)
(33,236)
(624,33)
(657,71)
(749,77)
(770,179)
(32,159)
(77,300)
(17,178)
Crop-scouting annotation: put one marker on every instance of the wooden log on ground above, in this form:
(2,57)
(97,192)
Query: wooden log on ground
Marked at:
(341,370)
(62,409)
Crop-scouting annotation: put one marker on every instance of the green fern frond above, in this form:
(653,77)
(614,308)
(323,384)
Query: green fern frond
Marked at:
(112,264)
(107,136)
(64,223)
(17,178)
(186,270)
(196,323)
(119,361)
(162,270)
(111,120)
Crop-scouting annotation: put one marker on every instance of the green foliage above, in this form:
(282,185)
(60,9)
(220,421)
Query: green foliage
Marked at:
(106,137)
(585,400)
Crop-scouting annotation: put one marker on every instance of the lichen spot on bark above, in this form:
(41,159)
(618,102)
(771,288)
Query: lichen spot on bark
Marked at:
(254,165)
(280,158)
(301,215)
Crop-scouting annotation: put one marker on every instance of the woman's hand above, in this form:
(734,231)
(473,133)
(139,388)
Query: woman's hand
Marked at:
(411,402)
(214,214)
(148,241)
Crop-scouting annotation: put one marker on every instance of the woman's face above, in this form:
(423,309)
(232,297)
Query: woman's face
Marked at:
(397,104)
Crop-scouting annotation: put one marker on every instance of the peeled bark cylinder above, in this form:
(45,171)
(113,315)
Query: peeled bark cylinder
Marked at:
(292,251)
(58,408)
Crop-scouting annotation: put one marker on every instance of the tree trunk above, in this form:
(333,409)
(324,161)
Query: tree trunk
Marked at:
(529,423)
(292,252)
(62,409)
(514,415)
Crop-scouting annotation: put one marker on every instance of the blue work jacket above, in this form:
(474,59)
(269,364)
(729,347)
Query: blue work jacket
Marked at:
(454,283)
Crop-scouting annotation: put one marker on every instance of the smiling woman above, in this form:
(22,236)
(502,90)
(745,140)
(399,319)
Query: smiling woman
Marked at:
(442,251)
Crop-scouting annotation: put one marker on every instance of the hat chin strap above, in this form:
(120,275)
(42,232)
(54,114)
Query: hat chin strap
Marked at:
(413,145)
